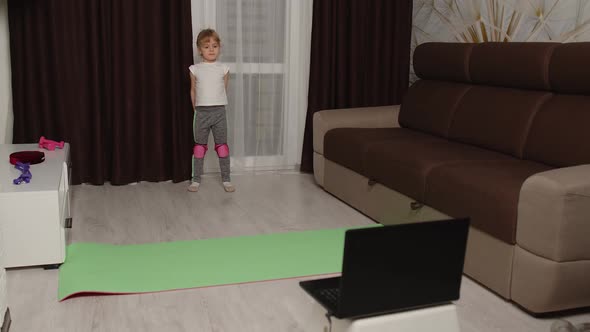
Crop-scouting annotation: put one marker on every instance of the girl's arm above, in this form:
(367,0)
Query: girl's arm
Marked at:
(226,80)
(193,90)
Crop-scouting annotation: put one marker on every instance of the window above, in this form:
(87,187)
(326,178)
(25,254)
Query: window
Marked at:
(266,45)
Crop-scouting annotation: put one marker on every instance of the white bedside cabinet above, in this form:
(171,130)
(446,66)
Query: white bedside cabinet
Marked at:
(33,215)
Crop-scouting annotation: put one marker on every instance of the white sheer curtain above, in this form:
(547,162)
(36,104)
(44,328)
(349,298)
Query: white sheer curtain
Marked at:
(266,44)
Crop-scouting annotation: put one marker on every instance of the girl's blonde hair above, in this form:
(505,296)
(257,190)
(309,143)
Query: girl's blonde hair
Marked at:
(206,34)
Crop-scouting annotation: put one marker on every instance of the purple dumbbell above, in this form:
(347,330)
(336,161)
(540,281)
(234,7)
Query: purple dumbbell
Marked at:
(26,174)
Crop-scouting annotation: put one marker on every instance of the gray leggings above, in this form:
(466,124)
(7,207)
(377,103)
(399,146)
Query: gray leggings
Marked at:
(206,119)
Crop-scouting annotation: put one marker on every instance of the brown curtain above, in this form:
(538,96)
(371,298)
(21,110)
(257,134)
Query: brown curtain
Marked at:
(110,77)
(360,56)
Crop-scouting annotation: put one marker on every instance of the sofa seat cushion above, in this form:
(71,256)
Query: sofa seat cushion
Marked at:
(404,163)
(347,146)
(486,191)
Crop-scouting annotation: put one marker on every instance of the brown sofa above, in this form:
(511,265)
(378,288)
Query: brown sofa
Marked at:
(499,132)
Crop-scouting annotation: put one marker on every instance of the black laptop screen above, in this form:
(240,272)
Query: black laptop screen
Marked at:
(402,266)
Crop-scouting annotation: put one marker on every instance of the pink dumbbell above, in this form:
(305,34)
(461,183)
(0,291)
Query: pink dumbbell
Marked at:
(49,144)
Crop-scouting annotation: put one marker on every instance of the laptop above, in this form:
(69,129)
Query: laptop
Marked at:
(395,268)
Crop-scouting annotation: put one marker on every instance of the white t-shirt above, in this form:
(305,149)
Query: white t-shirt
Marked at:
(210,83)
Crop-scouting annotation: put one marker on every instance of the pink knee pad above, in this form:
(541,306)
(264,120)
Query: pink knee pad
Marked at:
(222,150)
(199,151)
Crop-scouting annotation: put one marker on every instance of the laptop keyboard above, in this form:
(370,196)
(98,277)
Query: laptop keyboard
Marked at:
(331,295)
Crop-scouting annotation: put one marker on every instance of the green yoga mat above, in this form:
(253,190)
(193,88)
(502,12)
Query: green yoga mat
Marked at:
(92,268)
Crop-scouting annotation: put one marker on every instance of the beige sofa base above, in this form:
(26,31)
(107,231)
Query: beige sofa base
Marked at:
(488,260)
(532,272)
(376,201)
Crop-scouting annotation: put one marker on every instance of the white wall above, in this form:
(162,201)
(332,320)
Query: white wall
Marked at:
(5,80)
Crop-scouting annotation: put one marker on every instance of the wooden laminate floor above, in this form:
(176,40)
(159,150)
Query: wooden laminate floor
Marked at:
(263,203)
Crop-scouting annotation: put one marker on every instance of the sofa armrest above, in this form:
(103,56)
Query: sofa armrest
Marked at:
(554,214)
(362,117)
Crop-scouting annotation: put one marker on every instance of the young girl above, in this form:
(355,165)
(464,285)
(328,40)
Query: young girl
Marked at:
(208,84)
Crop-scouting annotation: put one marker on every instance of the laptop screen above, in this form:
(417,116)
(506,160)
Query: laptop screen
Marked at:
(402,266)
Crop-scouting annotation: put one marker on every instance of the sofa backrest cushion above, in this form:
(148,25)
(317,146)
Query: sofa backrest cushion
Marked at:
(450,64)
(429,106)
(508,97)
(560,134)
(569,70)
(496,118)
(515,65)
